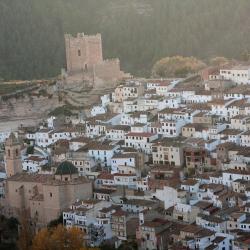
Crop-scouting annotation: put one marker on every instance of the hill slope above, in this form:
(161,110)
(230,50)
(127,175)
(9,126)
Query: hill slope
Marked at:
(139,32)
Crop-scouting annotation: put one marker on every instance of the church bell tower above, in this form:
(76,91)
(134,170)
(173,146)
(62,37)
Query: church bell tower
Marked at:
(13,156)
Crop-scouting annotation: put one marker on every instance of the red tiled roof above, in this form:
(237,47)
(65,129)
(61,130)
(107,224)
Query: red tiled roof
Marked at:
(119,213)
(106,176)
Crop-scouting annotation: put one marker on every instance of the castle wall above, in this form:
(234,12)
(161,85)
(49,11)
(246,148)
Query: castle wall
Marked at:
(55,199)
(37,211)
(94,49)
(85,62)
(108,69)
(19,194)
(51,198)
(63,196)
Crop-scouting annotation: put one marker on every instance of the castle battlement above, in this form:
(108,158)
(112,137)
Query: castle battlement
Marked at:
(111,61)
(84,54)
(82,35)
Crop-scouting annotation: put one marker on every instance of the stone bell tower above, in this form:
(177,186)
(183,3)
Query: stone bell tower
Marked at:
(13,156)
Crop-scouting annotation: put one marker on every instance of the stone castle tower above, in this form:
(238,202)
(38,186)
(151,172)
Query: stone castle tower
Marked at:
(85,62)
(13,156)
(83,52)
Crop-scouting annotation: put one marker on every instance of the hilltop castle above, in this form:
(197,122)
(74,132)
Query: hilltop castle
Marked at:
(85,60)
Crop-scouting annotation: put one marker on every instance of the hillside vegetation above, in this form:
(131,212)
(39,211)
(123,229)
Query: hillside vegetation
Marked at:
(139,32)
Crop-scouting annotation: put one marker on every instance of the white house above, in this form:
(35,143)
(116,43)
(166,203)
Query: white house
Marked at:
(239,74)
(103,153)
(169,102)
(171,128)
(33,162)
(124,163)
(95,129)
(141,141)
(169,195)
(245,139)
(190,185)
(185,114)
(199,97)
(241,122)
(105,179)
(135,117)
(231,175)
(142,184)
(212,223)
(45,137)
(219,107)
(98,110)
(231,135)
(106,99)
(117,132)
(163,88)
(78,142)
(128,180)
(91,218)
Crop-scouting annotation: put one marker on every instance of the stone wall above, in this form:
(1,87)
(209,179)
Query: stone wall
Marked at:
(82,51)
(108,69)
(85,62)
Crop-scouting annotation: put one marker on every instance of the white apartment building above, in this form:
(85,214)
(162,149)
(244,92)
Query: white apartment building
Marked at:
(117,132)
(168,151)
(135,117)
(128,180)
(45,137)
(103,153)
(124,163)
(98,110)
(202,97)
(245,139)
(33,162)
(241,122)
(141,141)
(95,129)
(239,74)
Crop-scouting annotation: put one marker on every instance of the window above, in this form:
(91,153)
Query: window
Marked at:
(79,52)
(50,194)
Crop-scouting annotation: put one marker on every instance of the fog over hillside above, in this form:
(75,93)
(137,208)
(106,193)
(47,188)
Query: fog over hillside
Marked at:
(139,32)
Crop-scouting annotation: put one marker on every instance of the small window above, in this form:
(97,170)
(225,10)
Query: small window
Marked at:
(50,194)
(79,52)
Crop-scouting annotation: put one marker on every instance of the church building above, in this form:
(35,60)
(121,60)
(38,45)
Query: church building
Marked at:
(43,196)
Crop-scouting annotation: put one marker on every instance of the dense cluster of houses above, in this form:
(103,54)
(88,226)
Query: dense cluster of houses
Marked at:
(169,160)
